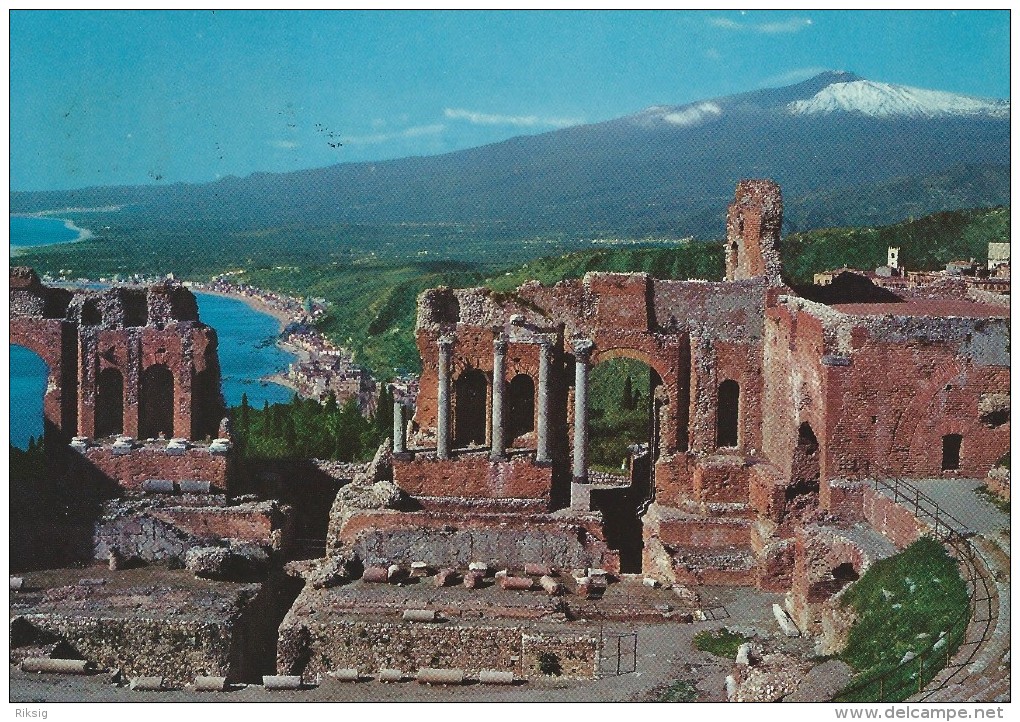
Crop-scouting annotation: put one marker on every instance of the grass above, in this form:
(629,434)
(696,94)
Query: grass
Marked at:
(985,493)
(720,642)
(681,690)
(904,603)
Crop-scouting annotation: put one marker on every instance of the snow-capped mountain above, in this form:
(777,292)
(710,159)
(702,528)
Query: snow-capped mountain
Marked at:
(845,149)
(882,100)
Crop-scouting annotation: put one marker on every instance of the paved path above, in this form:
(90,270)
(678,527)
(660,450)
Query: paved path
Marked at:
(957,496)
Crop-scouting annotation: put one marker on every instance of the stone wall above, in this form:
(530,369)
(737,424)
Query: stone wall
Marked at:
(474,476)
(130,470)
(370,646)
(459,538)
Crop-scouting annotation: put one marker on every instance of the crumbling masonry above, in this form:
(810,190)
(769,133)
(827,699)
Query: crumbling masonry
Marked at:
(770,411)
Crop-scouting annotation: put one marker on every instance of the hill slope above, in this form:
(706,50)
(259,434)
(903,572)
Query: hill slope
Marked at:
(666,170)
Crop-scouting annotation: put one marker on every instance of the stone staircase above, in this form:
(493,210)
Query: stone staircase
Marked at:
(980,671)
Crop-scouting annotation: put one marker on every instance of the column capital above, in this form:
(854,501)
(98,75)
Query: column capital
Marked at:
(582,349)
(446,342)
(499,345)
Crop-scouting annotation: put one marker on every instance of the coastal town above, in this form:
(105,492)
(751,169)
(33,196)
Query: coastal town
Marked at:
(322,368)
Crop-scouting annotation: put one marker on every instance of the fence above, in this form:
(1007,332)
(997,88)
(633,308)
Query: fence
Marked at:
(964,636)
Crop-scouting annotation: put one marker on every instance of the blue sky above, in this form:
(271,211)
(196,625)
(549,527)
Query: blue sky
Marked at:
(102,98)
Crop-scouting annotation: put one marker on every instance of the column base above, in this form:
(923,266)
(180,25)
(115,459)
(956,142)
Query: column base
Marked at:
(580,495)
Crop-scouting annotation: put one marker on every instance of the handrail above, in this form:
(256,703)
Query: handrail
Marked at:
(955,537)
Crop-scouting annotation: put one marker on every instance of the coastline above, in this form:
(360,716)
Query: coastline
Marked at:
(282,317)
(84,234)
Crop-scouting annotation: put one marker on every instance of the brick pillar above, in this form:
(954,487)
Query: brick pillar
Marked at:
(498,374)
(399,444)
(443,420)
(544,362)
(582,356)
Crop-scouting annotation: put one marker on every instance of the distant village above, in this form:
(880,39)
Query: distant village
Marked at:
(992,277)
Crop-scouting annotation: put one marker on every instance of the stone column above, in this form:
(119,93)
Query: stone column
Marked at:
(399,442)
(544,363)
(443,420)
(582,356)
(498,374)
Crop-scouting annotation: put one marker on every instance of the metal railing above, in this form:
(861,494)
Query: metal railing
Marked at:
(949,655)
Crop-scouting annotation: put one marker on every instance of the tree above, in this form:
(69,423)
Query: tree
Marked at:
(628,394)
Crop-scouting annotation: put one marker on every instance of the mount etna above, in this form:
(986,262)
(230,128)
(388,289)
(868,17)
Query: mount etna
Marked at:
(846,151)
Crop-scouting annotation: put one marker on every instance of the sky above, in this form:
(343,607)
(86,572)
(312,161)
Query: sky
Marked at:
(111,97)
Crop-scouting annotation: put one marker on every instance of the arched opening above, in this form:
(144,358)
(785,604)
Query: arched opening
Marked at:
(28,379)
(520,407)
(623,443)
(805,472)
(837,578)
(951,445)
(91,315)
(207,405)
(109,403)
(471,393)
(156,407)
(727,428)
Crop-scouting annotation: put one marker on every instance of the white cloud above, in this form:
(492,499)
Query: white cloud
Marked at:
(792,25)
(693,115)
(525,121)
(284,144)
(412,132)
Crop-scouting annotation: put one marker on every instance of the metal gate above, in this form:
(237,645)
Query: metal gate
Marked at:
(617,654)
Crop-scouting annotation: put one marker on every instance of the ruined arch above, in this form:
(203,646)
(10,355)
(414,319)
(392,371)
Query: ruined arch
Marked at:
(207,406)
(952,449)
(470,408)
(805,471)
(91,314)
(109,403)
(727,426)
(156,402)
(520,397)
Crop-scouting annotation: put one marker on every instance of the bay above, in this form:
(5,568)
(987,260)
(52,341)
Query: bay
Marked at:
(247,353)
(41,231)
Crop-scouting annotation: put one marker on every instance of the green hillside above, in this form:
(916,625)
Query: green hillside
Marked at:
(925,244)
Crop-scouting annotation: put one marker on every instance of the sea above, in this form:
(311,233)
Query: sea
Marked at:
(39,231)
(247,350)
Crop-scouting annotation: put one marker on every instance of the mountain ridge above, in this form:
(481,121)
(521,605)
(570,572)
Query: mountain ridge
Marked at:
(666,169)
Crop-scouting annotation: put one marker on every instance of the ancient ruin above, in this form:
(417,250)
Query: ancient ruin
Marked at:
(478,542)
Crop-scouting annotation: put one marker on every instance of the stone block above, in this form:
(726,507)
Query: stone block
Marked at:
(195,486)
(45,665)
(473,580)
(158,486)
(446,577)
(375,575)
(146,684)
(281,681)
(523,584)
(419,615)
(430,675)
(552,587)
(210,684)
(17,583)
(785,623)
(494,676)
(538,570)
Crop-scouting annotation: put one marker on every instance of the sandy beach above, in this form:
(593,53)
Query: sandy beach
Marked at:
(282,317)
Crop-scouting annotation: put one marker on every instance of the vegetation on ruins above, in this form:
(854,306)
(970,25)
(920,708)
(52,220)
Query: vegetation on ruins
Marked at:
(619,412)
(681,690)
(720,642)
(305,429)
(906,605)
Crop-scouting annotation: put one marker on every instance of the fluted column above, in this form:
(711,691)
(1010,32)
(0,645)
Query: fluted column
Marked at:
(582,356)
(399,439)
(544,362)
(443,420)
(498,374)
